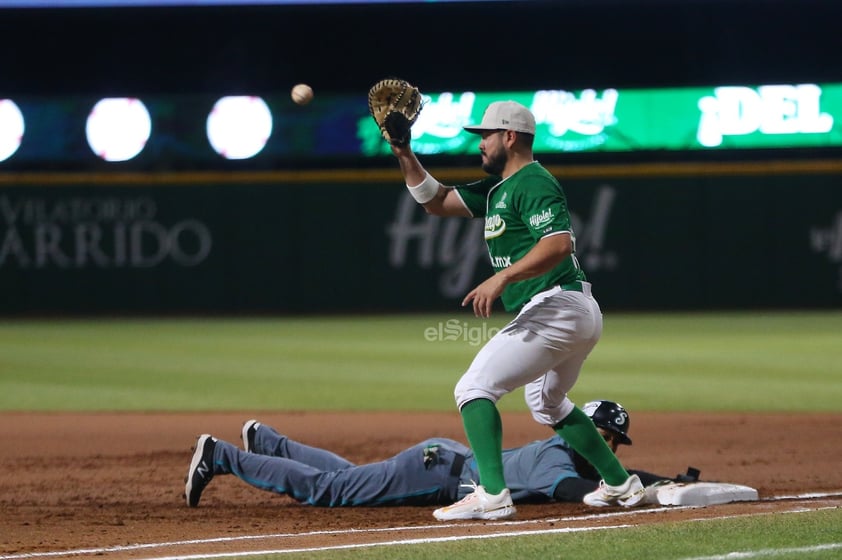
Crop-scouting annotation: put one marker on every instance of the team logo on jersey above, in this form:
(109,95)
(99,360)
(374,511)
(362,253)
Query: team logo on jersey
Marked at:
(494,226)
(502,203)
(542,219)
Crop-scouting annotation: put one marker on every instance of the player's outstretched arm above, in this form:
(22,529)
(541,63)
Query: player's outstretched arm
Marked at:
(436,198)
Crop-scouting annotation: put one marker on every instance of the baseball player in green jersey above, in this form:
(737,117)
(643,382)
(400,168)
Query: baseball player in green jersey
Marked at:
(558,322)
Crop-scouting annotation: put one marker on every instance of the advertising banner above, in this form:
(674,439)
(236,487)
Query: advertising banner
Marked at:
(201,132)
(222,247)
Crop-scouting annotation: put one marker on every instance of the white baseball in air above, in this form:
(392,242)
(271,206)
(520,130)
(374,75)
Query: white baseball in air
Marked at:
(118,128)
(239,126)
(302,94)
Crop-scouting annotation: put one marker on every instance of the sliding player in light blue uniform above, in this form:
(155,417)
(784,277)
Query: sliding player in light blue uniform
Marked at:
(435,471)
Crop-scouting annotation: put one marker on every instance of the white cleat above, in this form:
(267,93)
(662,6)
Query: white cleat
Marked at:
(629,494)
(479,504)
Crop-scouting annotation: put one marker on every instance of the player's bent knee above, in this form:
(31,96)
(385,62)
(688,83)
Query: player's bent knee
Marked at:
(469,395)
(552,416)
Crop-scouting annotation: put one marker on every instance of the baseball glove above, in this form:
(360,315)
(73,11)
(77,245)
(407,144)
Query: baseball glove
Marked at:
(394,105)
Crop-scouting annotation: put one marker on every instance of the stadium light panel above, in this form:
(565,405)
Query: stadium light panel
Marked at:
(118,128)
(238,127)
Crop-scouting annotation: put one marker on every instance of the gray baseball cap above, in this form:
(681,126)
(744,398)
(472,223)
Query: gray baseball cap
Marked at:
(505,115)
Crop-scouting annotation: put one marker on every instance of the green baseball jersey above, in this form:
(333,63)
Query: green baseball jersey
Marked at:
(518,212)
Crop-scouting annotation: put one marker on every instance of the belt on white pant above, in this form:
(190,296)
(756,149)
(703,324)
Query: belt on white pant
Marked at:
(577,286)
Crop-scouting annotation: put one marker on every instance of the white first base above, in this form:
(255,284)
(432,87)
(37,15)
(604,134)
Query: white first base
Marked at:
(702,493)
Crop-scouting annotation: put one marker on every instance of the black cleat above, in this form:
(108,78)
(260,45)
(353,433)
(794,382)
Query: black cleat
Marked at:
(201,469)
(249,430)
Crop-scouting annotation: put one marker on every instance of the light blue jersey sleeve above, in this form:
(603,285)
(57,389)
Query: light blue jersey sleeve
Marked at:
(533,471)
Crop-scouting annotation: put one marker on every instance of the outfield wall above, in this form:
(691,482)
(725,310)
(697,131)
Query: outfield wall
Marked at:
(649,237)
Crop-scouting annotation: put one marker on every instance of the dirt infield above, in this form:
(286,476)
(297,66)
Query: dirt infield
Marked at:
(112,483)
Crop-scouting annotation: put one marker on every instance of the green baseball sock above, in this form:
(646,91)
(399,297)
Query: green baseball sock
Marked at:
(579,431)
(484,430)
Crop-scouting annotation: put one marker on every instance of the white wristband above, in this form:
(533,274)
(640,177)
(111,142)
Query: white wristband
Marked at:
(426,191)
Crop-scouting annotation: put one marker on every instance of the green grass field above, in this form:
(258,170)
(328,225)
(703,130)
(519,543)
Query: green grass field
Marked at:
(794,536)
(701,361)
(763,362)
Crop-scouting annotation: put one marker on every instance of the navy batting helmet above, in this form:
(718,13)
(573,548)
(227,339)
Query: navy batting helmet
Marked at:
(610,416)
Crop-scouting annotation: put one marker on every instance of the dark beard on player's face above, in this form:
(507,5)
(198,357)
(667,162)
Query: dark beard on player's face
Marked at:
(494,163)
